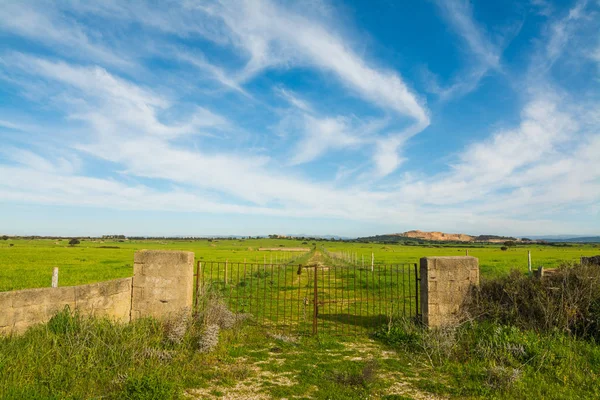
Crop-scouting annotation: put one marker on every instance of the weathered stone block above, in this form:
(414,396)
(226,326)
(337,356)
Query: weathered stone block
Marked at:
(445,285)
(163,283)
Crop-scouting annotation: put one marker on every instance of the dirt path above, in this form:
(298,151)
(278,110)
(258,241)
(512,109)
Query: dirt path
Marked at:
(264,381)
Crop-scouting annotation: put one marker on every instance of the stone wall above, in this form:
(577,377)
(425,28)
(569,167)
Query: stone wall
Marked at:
(445,284)
(22,309)
(163,283)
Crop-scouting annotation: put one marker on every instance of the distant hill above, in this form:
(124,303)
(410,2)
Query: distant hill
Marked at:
(588,239)
(416,236)
(437,236)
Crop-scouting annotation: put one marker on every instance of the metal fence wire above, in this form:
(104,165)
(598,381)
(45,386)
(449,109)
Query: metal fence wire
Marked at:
(308,299)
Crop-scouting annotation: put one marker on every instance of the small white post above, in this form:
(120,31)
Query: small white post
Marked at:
(226,262)
(372,261)
(467,251)
(529,262)
(55,277)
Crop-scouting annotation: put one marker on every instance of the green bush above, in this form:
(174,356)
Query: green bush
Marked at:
(567,300)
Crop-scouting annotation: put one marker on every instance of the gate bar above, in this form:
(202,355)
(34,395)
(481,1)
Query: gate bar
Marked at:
(315,301)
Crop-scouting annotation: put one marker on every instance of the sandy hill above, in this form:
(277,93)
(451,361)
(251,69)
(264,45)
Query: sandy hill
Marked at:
(438,236)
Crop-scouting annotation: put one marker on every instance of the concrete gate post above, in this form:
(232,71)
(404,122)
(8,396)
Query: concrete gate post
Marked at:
(163,283)
(445,285)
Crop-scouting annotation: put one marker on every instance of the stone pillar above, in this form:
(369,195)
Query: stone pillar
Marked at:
(163,283)
(445,284)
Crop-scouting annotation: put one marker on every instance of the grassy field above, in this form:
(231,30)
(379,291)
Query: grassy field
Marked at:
(71,358)
(29,263)
(493,261)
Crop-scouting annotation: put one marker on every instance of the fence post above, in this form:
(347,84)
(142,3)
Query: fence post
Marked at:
(55,277)
(529,261)
(372,261)
(445,285)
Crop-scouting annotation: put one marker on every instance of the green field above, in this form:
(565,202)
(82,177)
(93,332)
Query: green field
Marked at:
(29,263)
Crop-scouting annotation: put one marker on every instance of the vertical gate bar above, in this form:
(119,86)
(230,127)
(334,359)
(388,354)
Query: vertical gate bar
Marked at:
(367,299)
(416,291)
(379,292)
(336,294)
(329,291)
(245,284)
(300,300)
(342,284)
(385,293)
(228,286)
(344,295)
(403,290)
(409,290)
(237,287)
(354,304)
(271,284)
(397,295)
(323,284)
(315,305)
(219,273)
(284,290)
(264,306)
(197,300)
(251,291)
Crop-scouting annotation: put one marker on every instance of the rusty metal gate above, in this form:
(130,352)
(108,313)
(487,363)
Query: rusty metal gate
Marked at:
(309,299)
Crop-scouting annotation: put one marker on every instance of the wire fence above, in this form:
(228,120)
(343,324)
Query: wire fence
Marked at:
(308,299)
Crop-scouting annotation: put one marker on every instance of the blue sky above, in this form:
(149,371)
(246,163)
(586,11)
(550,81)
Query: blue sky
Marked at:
(322,117)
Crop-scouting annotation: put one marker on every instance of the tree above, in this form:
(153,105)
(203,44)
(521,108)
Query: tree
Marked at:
(503,248)
(73,242)
(4,237)
(509,243)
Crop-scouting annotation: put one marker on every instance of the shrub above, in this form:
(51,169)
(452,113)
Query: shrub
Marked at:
(503,248)
(568,300)
(73,242)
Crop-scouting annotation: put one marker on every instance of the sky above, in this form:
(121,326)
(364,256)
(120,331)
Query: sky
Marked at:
(254,117)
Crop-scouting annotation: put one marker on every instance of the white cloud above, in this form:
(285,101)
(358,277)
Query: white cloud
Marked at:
(322,135)
(42,22)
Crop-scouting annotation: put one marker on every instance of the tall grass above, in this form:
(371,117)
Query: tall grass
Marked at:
(79,357)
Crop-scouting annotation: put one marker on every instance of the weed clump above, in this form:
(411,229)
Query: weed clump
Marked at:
(216,316)
(361,377)
(176,327)
(209,339)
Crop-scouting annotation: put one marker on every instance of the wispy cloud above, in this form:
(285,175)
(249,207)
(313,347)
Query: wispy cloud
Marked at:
(163,146)
(484,56)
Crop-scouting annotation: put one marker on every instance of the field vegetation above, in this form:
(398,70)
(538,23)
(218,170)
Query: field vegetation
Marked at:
(28,263)
(521,337)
